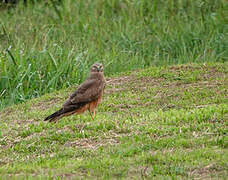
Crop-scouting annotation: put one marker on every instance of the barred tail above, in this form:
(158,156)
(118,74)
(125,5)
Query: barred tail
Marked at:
(54,116)
(66,111)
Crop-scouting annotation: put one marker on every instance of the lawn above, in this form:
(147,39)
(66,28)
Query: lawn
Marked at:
(167,122)
(49,46)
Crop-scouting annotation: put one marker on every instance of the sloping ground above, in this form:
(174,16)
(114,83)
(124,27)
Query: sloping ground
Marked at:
(159,122)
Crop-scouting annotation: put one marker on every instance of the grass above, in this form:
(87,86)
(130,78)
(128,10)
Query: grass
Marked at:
(49,46)
(167,122)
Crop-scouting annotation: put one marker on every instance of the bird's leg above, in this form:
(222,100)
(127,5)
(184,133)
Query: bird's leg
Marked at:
(92,114)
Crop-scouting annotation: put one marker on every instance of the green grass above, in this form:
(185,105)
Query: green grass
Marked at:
(167,122)
(46,47)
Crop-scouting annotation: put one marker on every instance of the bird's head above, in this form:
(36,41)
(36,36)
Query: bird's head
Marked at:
(97,67)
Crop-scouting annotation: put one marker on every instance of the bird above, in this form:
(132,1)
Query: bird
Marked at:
(86,97)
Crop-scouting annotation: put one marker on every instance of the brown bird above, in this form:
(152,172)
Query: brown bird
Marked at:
(86,97)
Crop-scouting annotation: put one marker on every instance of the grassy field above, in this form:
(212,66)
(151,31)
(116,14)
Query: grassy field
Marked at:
(49,46)
(166,122)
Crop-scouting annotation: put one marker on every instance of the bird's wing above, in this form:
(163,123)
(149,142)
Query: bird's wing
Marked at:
(88,91)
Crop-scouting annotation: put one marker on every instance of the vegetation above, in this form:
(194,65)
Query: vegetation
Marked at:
(162,122)
(50,45)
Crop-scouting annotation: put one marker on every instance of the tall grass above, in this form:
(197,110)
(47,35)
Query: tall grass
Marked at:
(48,45)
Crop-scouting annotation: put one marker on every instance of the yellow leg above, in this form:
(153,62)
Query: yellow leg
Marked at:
(92,114)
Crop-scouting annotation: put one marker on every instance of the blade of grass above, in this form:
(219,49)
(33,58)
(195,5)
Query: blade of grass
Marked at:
(12,57)
(53,60)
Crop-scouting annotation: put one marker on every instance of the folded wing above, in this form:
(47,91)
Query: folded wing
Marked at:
(89,91)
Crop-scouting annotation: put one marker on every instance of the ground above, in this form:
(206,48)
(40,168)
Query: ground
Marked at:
(161,122)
